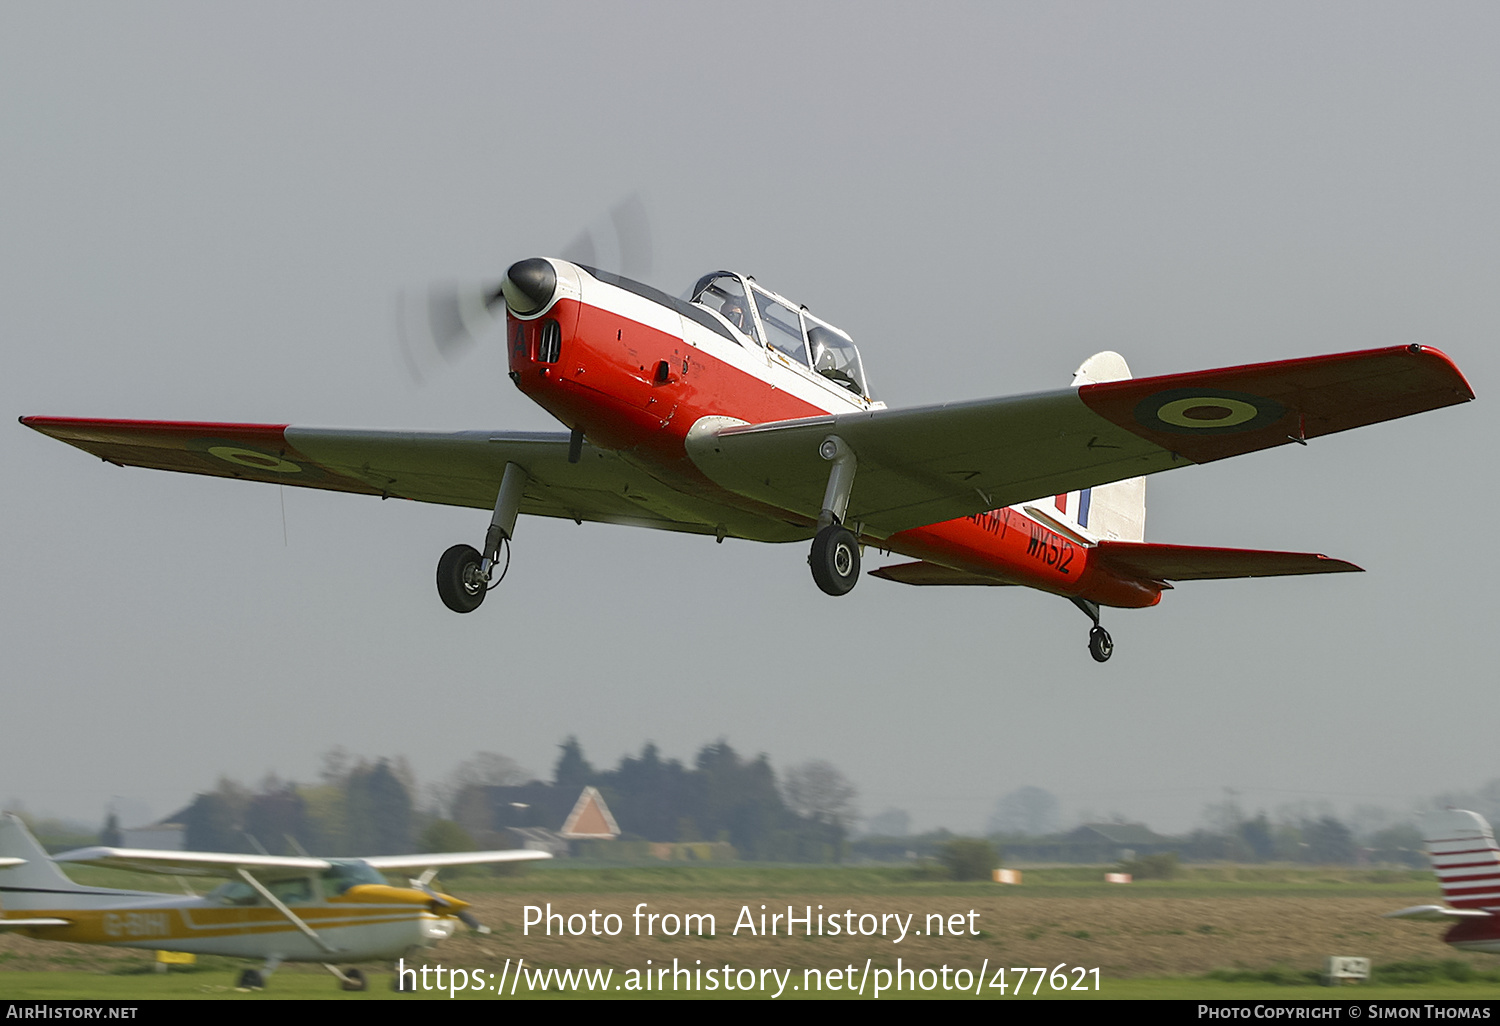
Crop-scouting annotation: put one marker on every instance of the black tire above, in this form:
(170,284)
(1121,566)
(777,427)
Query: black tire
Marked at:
(835,560)
(354,979)
(251,979)
(1101,645)
(453,579)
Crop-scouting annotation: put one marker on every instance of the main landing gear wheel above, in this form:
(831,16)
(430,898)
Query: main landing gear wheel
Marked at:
(1101,645)
(251,979)
(835,560)
(354,979)
(460,582)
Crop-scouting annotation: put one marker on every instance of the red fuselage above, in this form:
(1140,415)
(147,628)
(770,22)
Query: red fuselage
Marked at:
(637,389)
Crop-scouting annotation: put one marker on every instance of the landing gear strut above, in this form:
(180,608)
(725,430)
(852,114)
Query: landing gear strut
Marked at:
(464,574)
(835,549)
(1101,645)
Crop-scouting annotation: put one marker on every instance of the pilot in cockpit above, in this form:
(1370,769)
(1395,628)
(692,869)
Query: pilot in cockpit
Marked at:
(734,312)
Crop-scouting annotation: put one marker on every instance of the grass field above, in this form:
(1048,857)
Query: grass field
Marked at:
(1157,939)
(300,985)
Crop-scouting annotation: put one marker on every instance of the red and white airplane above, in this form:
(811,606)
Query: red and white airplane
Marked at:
(737,413)
(1467,862)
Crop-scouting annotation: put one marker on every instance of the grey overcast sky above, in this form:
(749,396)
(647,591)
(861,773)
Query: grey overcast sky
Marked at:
(207,211)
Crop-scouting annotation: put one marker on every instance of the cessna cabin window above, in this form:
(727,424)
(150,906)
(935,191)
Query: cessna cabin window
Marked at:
(343,875)
(234,892)
(292,891)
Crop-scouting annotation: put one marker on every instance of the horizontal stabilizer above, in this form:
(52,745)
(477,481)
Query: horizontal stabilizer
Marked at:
(31,924)
(931,574)
(1197,563)
(1437,913)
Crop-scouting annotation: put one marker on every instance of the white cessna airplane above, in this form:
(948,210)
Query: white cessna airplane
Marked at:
(280,909)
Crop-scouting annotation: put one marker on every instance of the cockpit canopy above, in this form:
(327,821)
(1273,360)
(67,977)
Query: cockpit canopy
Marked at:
(805,341)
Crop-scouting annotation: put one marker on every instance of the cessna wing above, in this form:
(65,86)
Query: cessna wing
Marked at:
(271,867)
(460,468)
(930,464)
(194,863)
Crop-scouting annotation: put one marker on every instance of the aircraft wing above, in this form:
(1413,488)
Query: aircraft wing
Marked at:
(402,863)
(928,464)
(194,863)
(461,468)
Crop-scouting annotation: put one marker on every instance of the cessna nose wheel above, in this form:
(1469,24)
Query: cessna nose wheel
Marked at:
(461,580)
(835,560)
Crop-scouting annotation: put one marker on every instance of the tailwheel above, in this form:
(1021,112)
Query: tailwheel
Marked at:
(461,581)
(1101,645)
(835,560)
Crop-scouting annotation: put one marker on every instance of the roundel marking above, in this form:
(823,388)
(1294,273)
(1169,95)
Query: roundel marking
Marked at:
(1207,411)
(253,459)
(1202,412)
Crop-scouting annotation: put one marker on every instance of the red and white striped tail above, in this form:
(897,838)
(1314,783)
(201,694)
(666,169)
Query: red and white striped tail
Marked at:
(1464,856)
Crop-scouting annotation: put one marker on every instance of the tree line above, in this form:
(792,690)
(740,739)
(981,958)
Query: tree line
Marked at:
(375,807)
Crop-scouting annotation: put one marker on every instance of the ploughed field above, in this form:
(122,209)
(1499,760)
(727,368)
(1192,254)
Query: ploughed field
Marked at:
(1155,935)
(1173,929)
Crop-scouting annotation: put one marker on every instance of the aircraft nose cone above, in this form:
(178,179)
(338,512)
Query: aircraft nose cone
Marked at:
(529,285)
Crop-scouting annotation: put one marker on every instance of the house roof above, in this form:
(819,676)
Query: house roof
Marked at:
(561,810)
(1117,833)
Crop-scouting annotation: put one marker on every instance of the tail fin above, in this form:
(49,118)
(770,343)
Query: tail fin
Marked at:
(34,882)
(1117,511)
(1464,856)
